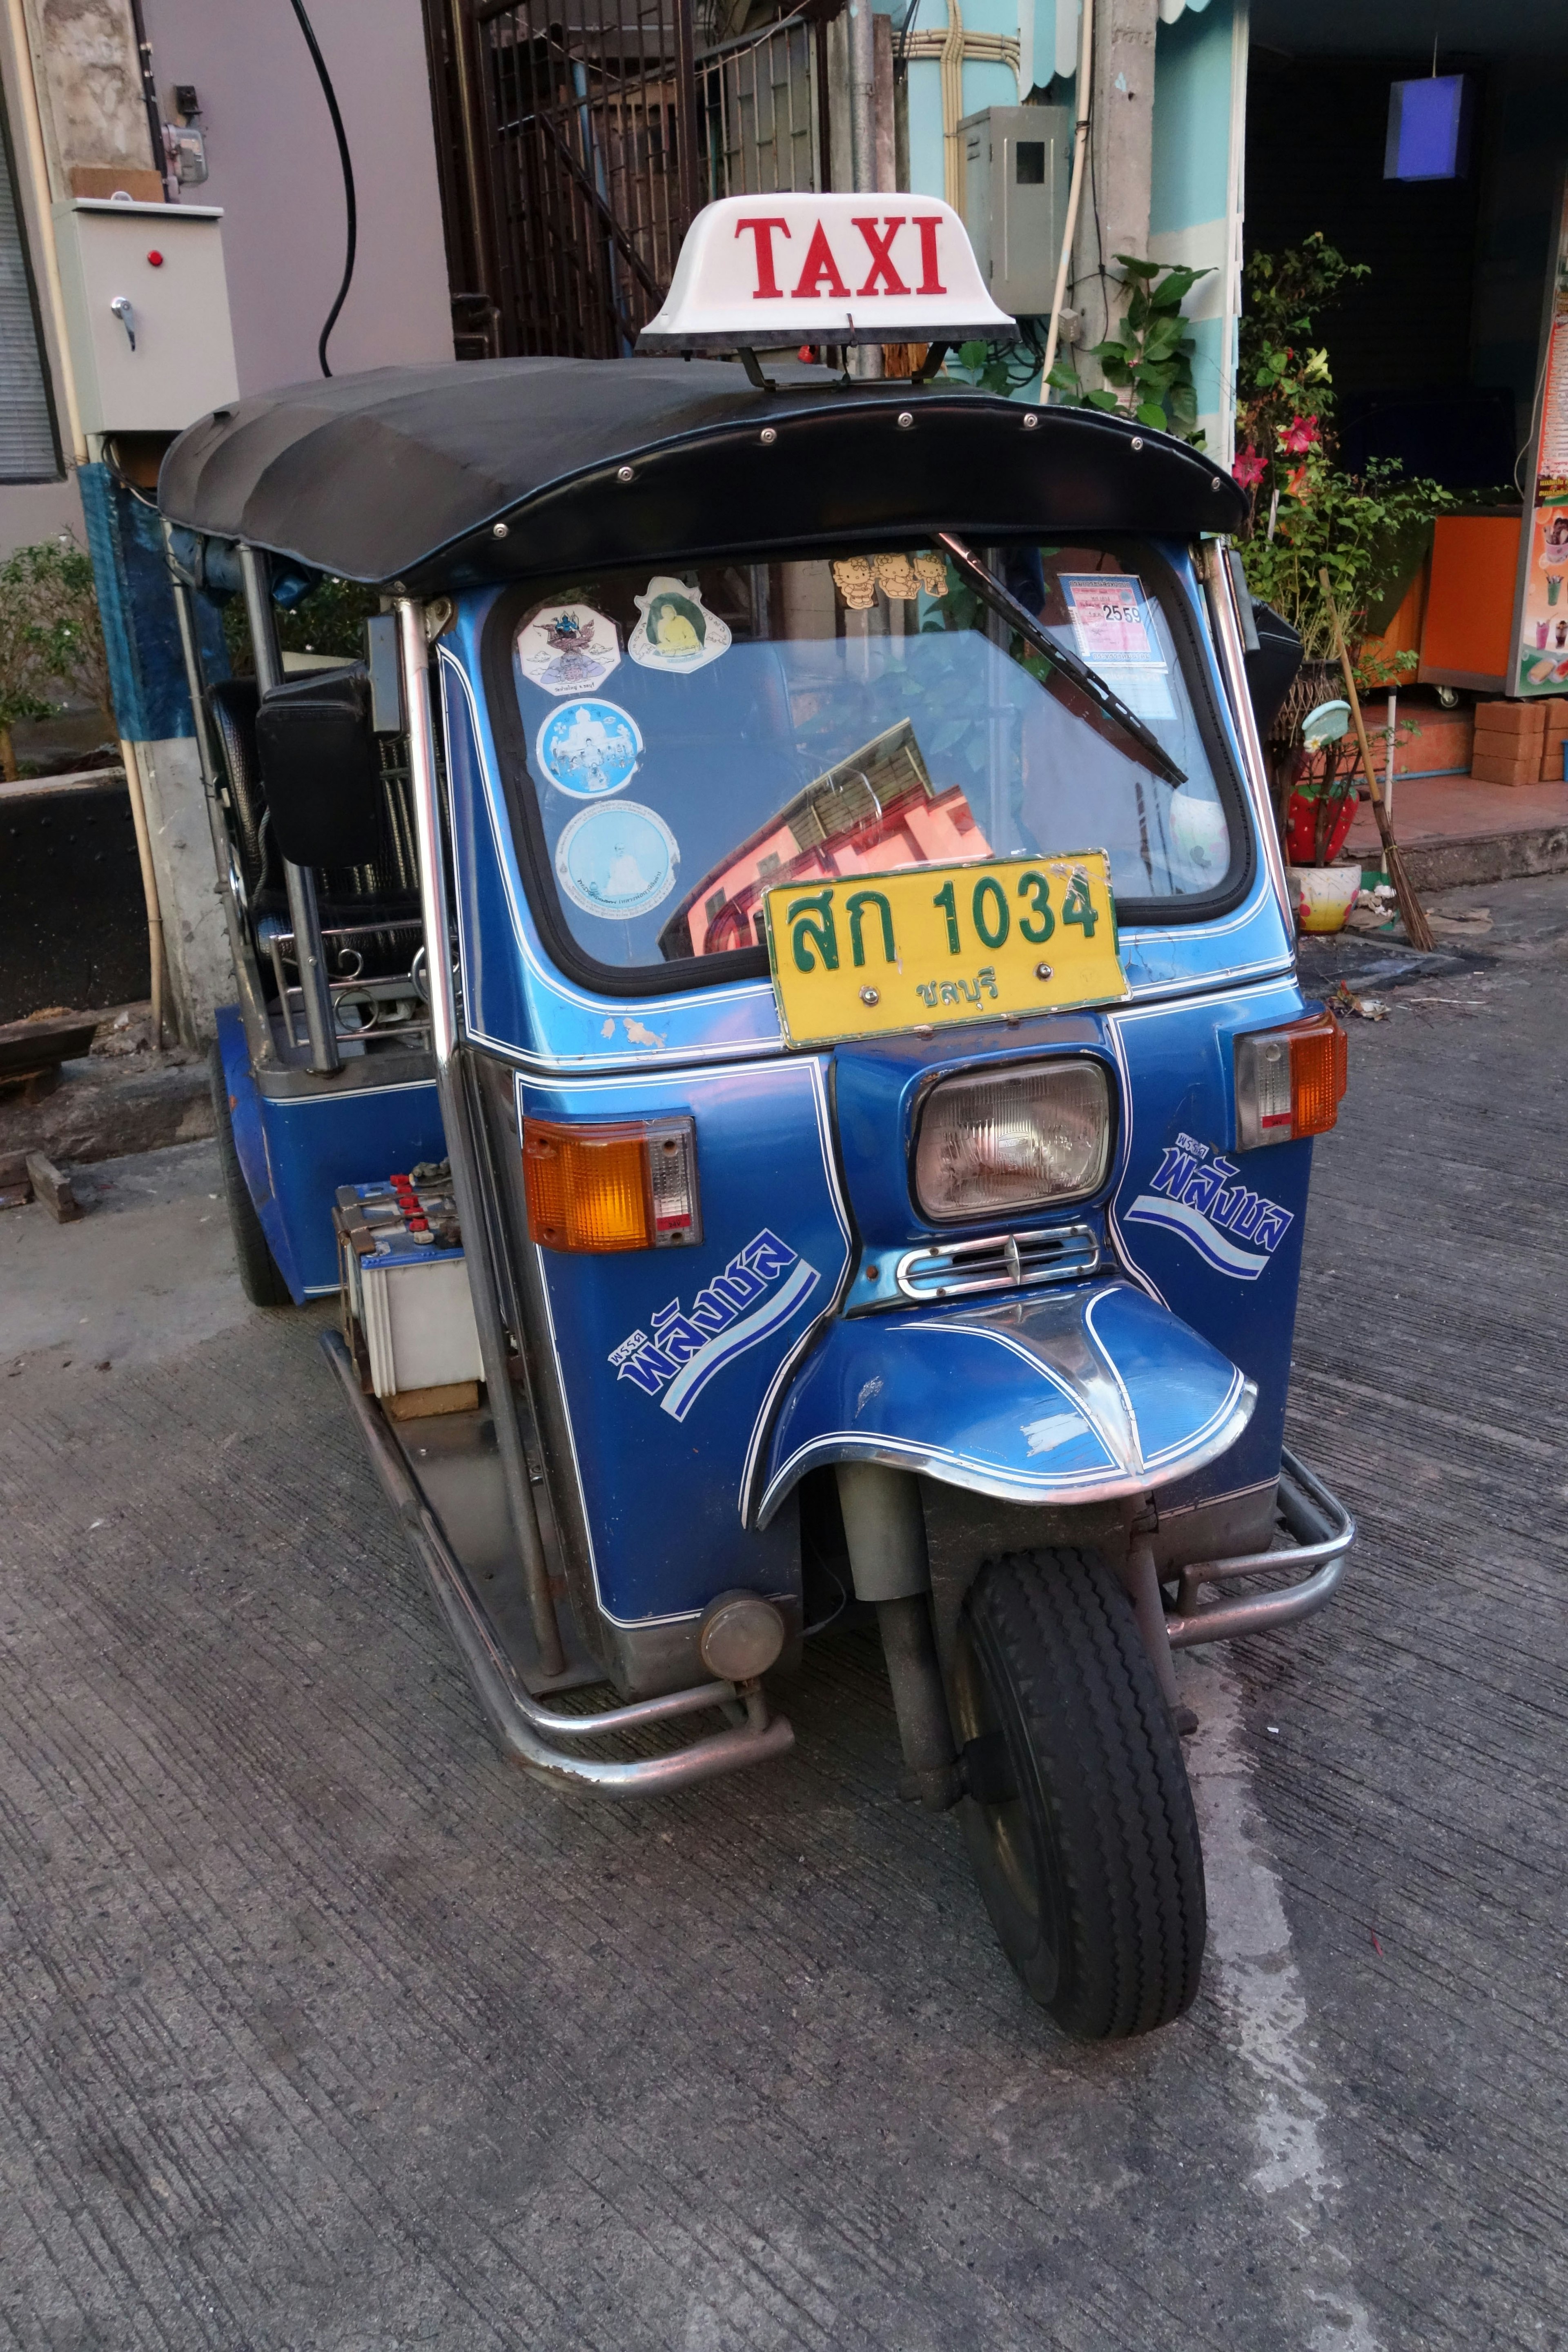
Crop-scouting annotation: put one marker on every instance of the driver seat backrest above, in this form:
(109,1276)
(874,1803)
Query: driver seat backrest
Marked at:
(387,885)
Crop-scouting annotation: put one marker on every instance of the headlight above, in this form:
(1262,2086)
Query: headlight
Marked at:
(1013,1138)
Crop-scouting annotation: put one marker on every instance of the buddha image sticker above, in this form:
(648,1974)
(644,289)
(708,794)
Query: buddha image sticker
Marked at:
(676,631)
(568,649)
(589,748)
(617,860)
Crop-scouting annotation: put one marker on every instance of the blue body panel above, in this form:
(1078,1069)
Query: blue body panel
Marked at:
(669,1358)
(296,1152)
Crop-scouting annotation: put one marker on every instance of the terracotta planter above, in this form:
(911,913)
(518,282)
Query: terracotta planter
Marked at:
(1324,895)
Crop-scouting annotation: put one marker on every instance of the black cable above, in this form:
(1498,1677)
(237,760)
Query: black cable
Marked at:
(349,207)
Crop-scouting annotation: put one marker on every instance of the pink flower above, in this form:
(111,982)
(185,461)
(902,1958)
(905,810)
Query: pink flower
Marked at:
(1300,435)
(1248,468)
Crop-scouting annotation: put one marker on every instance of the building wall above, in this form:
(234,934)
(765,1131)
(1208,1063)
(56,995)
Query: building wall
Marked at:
(274,169)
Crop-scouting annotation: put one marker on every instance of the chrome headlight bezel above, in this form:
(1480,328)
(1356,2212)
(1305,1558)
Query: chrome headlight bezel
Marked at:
(1040,1074)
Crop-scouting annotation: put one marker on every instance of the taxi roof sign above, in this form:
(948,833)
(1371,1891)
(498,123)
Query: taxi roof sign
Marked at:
(756,271)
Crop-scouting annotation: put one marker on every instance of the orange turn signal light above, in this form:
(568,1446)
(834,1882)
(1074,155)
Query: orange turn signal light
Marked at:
(597,1188)
(1289,1082)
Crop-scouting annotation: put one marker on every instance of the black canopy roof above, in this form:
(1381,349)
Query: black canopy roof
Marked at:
(406,475)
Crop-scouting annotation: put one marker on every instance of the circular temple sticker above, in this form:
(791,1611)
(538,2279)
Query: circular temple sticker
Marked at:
(676,631)
(568,649)
(588,748)
(617,860)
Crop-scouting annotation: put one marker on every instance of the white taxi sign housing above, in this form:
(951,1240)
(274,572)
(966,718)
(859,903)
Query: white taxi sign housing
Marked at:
(759,271)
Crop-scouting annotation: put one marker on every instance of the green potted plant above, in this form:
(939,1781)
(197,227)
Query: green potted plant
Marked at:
(1309,515)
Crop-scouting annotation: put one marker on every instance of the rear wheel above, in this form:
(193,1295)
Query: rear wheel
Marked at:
(259,1277)
(1080,1821)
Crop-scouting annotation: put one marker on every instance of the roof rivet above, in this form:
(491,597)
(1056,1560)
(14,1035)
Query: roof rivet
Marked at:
(769,436)
(498,531)
(1030,420)
(1137,441)
(905,417)
(623,474)
(1214,484)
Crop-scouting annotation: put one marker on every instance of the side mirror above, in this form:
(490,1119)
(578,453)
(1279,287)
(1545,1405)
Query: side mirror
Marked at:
(321,767)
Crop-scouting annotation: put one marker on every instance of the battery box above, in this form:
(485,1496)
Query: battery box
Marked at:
(407,1315)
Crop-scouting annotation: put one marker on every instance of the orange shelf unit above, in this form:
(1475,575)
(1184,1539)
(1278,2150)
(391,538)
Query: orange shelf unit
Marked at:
(1467,636)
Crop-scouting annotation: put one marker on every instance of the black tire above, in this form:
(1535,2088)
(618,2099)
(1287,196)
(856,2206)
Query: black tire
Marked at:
(1081,1824)
(259,1277)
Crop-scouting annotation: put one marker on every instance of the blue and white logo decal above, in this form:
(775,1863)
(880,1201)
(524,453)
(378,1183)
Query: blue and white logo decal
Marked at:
(588,748)
(758,1291)
(1191,1193)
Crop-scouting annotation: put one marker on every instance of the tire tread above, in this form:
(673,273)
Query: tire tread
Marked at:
(1060,1626)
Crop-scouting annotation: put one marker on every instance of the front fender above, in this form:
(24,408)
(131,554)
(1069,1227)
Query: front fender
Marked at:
(1079,1397)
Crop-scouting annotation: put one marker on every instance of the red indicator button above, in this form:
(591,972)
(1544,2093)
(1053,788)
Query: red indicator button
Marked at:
(156,258)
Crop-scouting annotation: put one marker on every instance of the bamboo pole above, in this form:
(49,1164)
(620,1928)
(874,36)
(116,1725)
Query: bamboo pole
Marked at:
(148,887)
(1418,929)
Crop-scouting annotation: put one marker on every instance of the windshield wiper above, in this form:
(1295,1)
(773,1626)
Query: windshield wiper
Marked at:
(1068,677)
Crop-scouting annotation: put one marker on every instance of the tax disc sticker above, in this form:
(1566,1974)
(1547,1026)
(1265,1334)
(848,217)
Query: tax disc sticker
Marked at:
(617,860)
(568,649)
(676,631)
(588,748)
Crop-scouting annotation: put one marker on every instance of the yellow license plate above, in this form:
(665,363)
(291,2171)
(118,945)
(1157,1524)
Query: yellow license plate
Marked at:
(870,954)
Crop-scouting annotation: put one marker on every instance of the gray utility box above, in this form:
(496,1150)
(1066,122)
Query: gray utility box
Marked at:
(146,311)
(1017,162)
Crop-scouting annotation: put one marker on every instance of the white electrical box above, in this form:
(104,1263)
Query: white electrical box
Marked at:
(1017,162)
(146,312)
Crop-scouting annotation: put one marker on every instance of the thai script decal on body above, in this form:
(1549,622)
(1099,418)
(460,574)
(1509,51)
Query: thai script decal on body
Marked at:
(679,1354)
(1196,1194)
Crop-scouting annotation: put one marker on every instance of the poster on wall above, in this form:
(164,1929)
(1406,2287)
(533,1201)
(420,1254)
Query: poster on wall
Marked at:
(1541,604)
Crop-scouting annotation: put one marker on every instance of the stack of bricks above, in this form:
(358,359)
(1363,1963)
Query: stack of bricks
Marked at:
(1519,742)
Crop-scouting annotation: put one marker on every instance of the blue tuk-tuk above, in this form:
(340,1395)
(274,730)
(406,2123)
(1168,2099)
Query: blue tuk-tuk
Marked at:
(769,991)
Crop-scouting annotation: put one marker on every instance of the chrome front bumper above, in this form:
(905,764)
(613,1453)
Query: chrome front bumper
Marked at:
(1321,1532)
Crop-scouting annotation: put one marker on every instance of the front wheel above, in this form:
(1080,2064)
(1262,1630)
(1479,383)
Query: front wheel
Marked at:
(1079,1820)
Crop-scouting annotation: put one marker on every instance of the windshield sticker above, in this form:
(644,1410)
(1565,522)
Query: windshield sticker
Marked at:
(617,860)
(855,577)
(1192,1194)
(758,1291)
(568,649)
(589,748)
(1113,630)
(676,631)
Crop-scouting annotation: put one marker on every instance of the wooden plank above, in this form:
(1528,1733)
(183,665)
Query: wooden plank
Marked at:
(53,1188)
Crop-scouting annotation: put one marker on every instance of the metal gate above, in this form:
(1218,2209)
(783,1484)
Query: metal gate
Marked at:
(575,139)
(567,134)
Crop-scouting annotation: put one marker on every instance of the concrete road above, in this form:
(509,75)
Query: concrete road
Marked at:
(322,2027)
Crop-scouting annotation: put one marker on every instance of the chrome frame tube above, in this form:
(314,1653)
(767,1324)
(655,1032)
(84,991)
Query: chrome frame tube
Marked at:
(414,653)
(522,1726)
(1325,1530)
(1220,591)
(246,978)
(297,880)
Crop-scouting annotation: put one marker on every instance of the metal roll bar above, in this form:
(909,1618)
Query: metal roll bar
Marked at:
(299,882)
(1324,1532)
(413,652)
(524,1727)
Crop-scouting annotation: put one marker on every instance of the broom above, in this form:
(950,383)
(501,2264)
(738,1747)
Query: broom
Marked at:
(1418,929)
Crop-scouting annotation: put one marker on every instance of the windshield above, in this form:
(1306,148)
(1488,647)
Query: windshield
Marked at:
(696,736)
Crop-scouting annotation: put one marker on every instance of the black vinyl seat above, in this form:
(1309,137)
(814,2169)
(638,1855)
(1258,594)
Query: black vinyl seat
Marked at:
(358,897)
